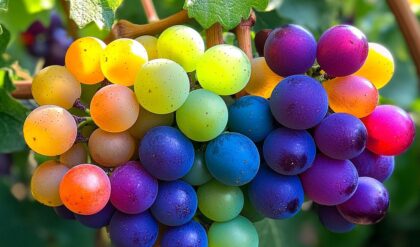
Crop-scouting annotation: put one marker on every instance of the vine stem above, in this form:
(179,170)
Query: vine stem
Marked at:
(149,10)
(214,35)
(23,89)
(87,121)
(71,25)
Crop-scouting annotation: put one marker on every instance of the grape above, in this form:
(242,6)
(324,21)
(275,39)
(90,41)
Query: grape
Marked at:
(249,211)
(290,50)
(111,149)
(341,136)
(45,183)
(34,39)
(6,162)
(299,102)
(333,220)
(390,130)
(351,94)
(83,59)
(64,212)
(133,189)
(121,61)
(379,167)
(251,116)
(54,85)
(162,86)
(58,40)
(289,152)
(139,230)
(76,155)
(85,189)
(147,120)
(150,44)
(263,80)
(114,108)
(203,116)
(220,202)
(198,174)
(50,130)
(233,159)
(342,50)
(166,153)
(329,181)
(98,220)
(237,232)
(368,205)
(181,44)
(224,70)
(191,234)
(276,196)
(378,67)
(175,204)
(260,39)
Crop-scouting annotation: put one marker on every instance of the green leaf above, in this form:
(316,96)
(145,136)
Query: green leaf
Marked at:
(4,38)
(102,12)
(4,5)
(228,13)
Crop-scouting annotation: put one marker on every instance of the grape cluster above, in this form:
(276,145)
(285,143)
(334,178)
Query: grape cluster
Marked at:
(171,159)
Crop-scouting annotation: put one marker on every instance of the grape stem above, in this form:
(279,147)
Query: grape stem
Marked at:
(71,25)
(79,105)
(214,35)
(23,89)
(86,121)
(149,10)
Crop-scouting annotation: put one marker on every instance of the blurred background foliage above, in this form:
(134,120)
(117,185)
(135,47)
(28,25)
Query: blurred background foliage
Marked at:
(27,223)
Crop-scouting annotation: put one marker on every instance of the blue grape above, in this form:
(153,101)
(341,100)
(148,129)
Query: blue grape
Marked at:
(64,212)
(333,220)
(373,165)
(98,220)
(251,116)
(199,174)
(191,234)
(5,164)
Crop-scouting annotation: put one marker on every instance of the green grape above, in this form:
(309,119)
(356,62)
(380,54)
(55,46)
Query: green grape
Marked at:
(198,175)
(203,116)
(111,149)
(237,232)
(162,86)
(50,130)
(147,120)
(76,155)
(150,44)
(55,85)
(220,202)
(181,44)
(45,183)
(249,211)
(224,70)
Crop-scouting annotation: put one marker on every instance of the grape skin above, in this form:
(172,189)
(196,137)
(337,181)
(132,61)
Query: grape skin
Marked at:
(76,155)
(150,44)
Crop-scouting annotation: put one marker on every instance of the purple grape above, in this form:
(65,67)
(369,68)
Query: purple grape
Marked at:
(176,203)
(135,230)
(329,181)
(191,234)
(299,102)
(333,220)
(58,42)
(342,50)
(5,164)
(341,136)
(64,212)
(133,189)
(368,205)
(166,153)
(372,165)
(276,196)
(260,39)
(98,220)
(289,152)
(290,50)
(35,38)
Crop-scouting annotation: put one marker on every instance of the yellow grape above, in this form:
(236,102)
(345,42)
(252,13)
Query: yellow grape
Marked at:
(45,183)
(147,120)
(83,59)
(114,108)
(181,44)
(76,155)
(263,80)
(150,44)
(111,149)
(122,60)
(55,85)
(378,67)
(50,130)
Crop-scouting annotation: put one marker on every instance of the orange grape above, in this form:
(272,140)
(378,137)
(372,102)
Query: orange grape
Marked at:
(263,80)
(122,60)
(150,44)
(147,120)
(111,149)
(85,189)
(50,130)
(114,108)
(83,59)
(76,155)
(45,183)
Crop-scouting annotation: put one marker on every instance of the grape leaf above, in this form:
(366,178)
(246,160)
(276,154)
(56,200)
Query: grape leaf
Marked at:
(4,5)
(4,38)
(228,13)
(102,12)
